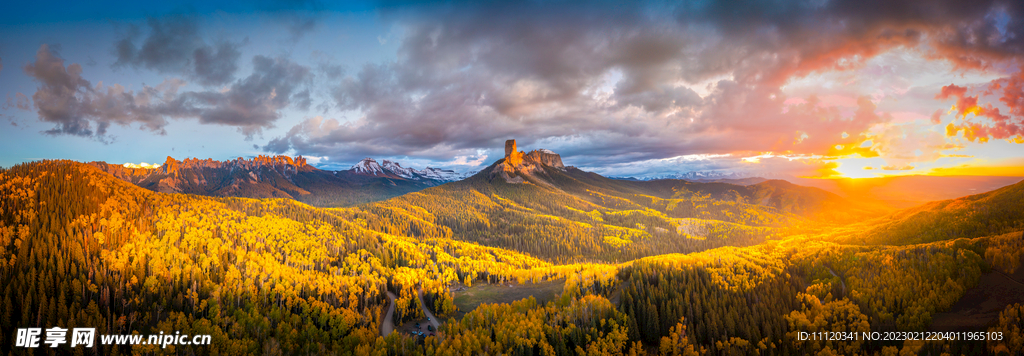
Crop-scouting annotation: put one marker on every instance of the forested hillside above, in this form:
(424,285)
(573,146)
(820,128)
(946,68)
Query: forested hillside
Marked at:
(82,248)
(79,247)
(992,213)
(568,215)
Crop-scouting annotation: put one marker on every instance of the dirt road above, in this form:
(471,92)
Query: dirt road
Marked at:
(430,316)
(388,325)
(840,279)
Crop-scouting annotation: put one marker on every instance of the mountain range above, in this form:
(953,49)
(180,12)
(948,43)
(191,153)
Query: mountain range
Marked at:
(533,203)
(387,168)
(704,176)
(369,181)
(281,177)
(635,261)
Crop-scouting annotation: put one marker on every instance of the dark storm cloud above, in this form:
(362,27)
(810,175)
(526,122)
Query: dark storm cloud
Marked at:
(611,81)
(659,99)
(811,36)
(216,65)
(77,108)
(174,45)
(461,82)
(252,103)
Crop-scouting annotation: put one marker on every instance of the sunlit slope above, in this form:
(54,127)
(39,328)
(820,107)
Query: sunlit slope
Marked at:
(565,215)
(993,213)
(277,276)
(808,202)
(79,247)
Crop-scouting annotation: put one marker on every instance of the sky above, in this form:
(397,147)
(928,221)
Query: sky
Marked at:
(820,88)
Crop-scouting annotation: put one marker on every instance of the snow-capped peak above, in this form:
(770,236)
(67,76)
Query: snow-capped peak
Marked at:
(368,166)
(545,150)
(398,170)
(142,165)
(444,175)
(714,175)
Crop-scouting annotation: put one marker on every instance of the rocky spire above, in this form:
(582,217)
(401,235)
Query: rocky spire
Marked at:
(513,157)
(518,165)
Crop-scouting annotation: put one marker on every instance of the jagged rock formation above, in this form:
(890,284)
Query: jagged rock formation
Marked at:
(259,177)
(519,167)
(280,177)
(279,163)
(546,157)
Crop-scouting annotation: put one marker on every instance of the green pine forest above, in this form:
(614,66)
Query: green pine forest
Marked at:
(664,267)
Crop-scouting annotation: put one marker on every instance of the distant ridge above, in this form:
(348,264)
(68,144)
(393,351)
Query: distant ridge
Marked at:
(708,176)
(736,181)
(895,191)
(907,191)
(369,166)
(280,177)
(992,213)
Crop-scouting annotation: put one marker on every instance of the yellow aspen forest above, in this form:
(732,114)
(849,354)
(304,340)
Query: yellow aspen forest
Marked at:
(277,276)
(512,178)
